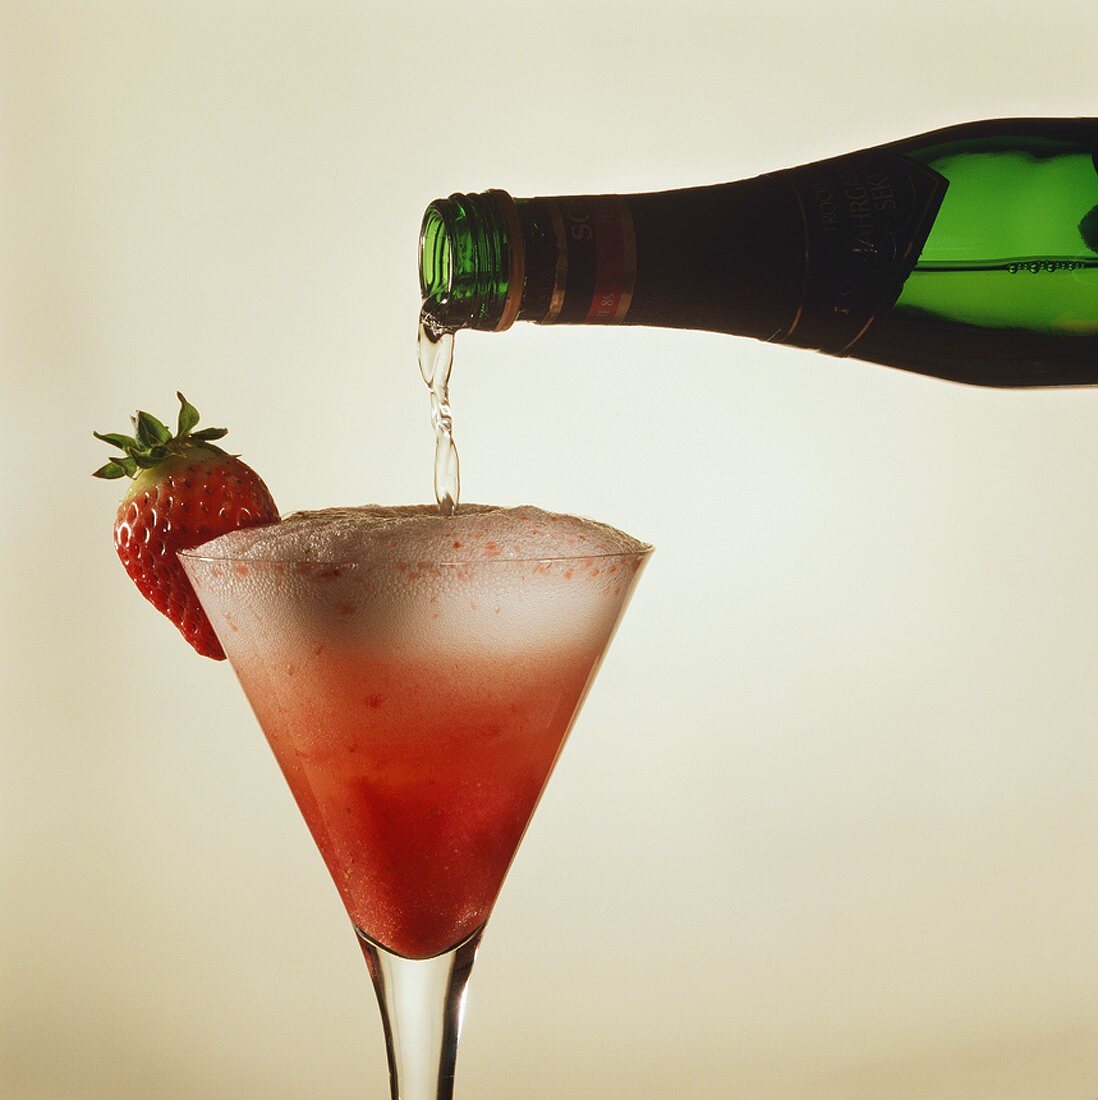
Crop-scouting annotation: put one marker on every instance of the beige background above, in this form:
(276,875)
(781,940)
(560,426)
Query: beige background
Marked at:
(826,828)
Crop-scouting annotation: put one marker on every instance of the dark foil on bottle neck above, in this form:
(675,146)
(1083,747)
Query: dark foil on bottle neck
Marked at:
(540,242)
(581,259)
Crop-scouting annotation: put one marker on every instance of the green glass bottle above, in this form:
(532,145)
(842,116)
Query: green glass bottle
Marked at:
(969,253)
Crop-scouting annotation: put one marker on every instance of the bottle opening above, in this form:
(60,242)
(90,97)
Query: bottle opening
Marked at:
(465,262)
(435,261)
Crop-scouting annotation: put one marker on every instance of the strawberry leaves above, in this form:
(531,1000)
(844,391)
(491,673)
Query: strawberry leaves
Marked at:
(188,417)
(123,442)
(116,468)
(152,442)
(207,434)
(150,431)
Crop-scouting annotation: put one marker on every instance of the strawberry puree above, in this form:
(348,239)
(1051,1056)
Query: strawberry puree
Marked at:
(418,780)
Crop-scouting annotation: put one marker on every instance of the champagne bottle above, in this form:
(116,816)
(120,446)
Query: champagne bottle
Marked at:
(969,253)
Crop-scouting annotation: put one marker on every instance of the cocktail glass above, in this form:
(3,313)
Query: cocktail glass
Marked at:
(416,710)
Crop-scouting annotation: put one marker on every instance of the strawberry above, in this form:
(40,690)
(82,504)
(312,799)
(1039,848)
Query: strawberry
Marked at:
(186,491)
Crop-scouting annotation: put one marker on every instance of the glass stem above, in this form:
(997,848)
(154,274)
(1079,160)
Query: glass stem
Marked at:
(421,1002)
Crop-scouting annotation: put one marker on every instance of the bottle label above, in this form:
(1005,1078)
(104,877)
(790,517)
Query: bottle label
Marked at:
(596,260)
(866,218)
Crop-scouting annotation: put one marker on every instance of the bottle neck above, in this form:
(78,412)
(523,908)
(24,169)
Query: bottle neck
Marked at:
(487,260)
(472,261)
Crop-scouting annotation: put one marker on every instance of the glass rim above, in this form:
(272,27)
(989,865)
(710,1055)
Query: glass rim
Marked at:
(643,551)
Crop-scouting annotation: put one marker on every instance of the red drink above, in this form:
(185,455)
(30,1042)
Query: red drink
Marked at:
(417,705)
(418,779)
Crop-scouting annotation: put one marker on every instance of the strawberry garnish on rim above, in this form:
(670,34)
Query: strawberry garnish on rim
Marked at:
(186,490)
